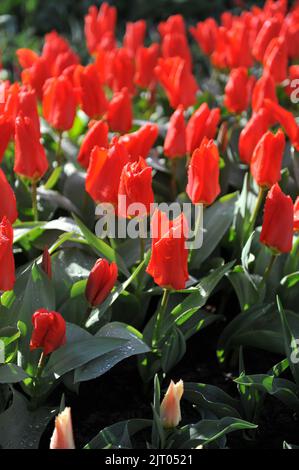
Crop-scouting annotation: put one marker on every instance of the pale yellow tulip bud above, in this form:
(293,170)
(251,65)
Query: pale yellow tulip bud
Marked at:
(63,437)
(170,411)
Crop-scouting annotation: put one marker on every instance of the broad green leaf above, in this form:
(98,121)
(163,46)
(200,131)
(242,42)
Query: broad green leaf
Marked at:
(10,374)
(111,437)
(291,342)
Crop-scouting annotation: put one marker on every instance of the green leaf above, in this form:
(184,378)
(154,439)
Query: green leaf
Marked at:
(112,436)
(291,342)
(10,374)
(173,349)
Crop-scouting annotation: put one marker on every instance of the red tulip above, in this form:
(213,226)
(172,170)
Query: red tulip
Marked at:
(267,159)
(238,52)
(121,70)
(286,119)
(205,33)
(170,411)
(136,186)
(104,171)
(290,31)
(134,36)
(54,46)
(98,23)
(7,271)
(49,331)
(219,55)
(203,123)
(96,136)
(46,263)
(275,7)
(11,102)
(59,103)
(203,174)
(63,61)
(169,259)
(26,57)
(176,45)
(100,282)
(8,206)
(28,106)
(178,82)
(91,95)
(139,143)
(63,437)
(175,140)
(254,130)
(36,76)
(293,87)
(277,229)
(30,156)
(120,112)
(276,60)
(6,133)
(269,30)
(173,24)
(296,215)
(146,61)
(238,90)
(264,89)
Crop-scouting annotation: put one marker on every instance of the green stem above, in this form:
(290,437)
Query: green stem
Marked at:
(257,208)
(160,315)
(58,151)
(34,201)
(268,270)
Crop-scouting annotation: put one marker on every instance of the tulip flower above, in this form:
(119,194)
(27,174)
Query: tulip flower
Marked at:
(290,32)
(36,76)
(269,30)
(175,140)
(146,61)
(49,331)
(267,158)
(136,186)
(120,112)
(59,103)
(176,45)
(134,36)
(104,171)
(46,263)
(64,61)
(26,57)
(205,33)
(28,106)
(99,23)
(296,215)
(264,89)
(100,282)
(276,60)
(8,207)
(30,157)
(278,223)
(91,95)
(203,174)
(238,90)
(6,133)
(121,70)
(63,437)
(97,135)
(7,271)
(286,119)
(293,87)
(177,80)
(238,48)
(169,259)
(173,24)
(254,130)
(203,123)
(140,142)
(170,411)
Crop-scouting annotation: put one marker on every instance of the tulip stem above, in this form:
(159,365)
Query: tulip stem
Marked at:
(257,208)
(160,315)
(58,151)
(34,201)
(268,269)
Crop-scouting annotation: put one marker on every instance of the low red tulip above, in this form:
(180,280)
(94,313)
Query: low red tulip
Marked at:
(203,123)
(120,112)
(7,271)
(100,282)
(140,142)
(6,134)
(238,90)
(91,95)
(175,140)
(134,36)
(97,135)
(205,33)
(176,45)
(49,331)
(254,130)
(286,119)
(146,61)
(59,103)
(98,23)
(264,88)
(276,60)
(8,206)
(269,30)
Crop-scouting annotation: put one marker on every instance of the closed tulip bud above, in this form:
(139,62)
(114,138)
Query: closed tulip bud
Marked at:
(203,123)
(101,281)
(176,45)
(54,45)
(63,61)
(296,215)
(139,143)
(136,186)
(173,24)
(176,78)
(8,205)
(276,60)
(103,174)
(169,259)
(264,88)
(292,88)
(26,57)
(7,272)
(97,135)
(120,112)
(36,76)
(203,174)
(49,331)
(170,411)
(134,36)
(92,98)
(205,33)
(175,140)
(30,156)
(28,106)
(59,103)
(238,90)
(269,30)
(254,130)
(46,263)
(146,61)
(63,437)
(98,23)
(121,70)
(267,158)
(278,223)
(6,133)
(286,119)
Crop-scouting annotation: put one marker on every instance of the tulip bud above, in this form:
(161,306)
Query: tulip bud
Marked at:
(278,223)
(98,23)
(49,330)
(36,75)
(254,130)
(7,270)
(175,140)
(267,158)
(26,57)
(205,33)
(139,143)
(286,119)
(268,31)
(203,123)
(6,133)
(203,174)
(170,411)
(100,282)
(238,90)
(134,36)
(28,106)
(63,437)
(59,103)
(46,263)
(121,70)
(120,112)
(276,60)
(296,215)
(146,61)
(264,88)
(8,205)
(91,94)
(97,135)
(176,45)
